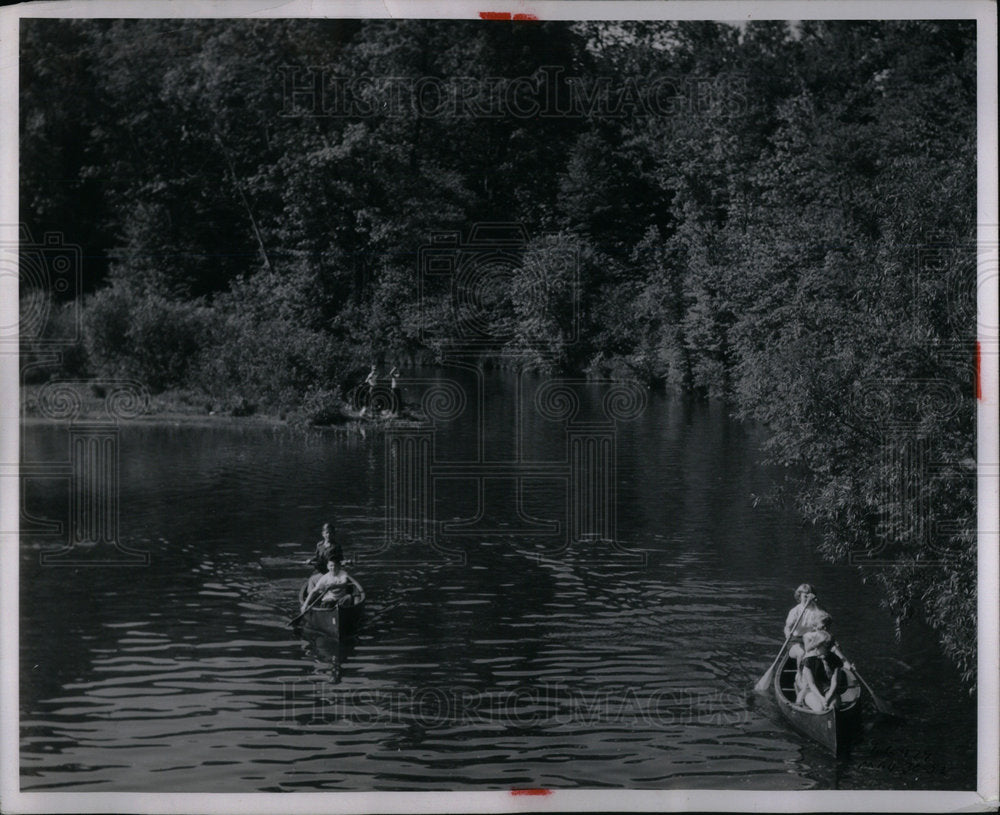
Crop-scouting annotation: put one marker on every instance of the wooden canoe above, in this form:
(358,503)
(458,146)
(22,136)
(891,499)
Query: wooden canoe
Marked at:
(333,620)
(832,728)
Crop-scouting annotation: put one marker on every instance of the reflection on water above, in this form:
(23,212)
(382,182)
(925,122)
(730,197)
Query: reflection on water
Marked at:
(529,665)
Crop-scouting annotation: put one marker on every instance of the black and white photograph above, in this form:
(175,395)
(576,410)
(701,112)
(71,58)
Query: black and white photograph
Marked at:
(499,407)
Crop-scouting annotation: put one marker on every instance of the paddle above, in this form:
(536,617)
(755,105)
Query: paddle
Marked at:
(881,706)
(302,614)
(765,680)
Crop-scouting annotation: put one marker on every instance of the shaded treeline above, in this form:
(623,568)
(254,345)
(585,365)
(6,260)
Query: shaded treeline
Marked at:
(780,216)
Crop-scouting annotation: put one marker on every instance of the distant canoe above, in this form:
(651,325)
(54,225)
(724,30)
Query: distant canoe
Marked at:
(333,621)
(832,728)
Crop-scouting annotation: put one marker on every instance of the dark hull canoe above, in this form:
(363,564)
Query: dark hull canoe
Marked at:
(333,621)
(833,728)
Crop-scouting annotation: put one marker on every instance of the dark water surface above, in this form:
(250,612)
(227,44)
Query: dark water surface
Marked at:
(531,664)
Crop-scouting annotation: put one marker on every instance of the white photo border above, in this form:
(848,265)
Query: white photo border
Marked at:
(985,797)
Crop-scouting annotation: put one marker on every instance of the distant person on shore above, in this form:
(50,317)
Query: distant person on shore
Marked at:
(335,586)
(394,388)
(371,381)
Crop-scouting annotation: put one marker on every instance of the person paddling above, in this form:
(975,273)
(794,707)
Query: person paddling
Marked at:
(801,619)
(335,586)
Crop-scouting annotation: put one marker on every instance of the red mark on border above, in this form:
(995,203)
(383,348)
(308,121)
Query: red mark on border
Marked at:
(531,792)
(979,384)
(505,15)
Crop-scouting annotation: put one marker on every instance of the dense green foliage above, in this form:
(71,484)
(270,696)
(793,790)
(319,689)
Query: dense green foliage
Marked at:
(790,230)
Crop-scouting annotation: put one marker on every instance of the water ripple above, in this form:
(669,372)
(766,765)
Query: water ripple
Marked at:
(525,667)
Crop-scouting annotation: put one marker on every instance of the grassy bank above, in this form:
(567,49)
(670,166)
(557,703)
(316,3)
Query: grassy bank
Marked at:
(40,403)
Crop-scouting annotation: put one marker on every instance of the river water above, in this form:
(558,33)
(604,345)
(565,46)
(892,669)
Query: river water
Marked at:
(502,654)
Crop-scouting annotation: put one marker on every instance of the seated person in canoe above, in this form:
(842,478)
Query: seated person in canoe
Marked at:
(821,677)
(335,586)
(324,549)
(824,625)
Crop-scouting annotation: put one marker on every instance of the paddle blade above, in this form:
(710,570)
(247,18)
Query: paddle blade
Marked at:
(881,705)
(765,681)
(300,615)
(886,709)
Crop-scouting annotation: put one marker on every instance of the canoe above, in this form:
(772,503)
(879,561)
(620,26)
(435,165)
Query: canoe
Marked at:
(333,620)
(833,728)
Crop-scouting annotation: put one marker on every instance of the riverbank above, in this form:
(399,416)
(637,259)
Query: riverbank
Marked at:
(86,403)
